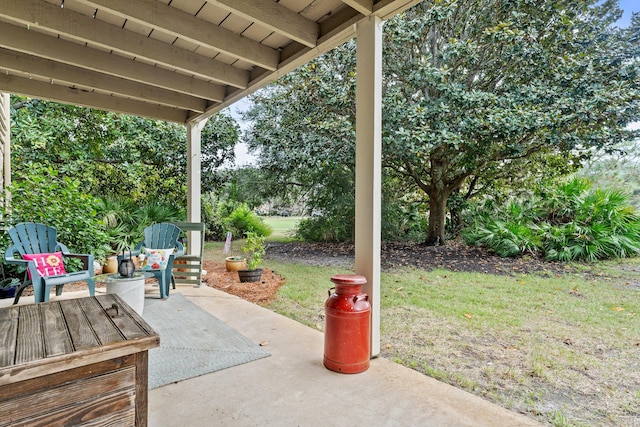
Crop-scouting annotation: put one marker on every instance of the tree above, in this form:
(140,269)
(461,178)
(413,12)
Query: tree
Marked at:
(478,96)
(116,155)
(303,133)
(479,91)
(618,169)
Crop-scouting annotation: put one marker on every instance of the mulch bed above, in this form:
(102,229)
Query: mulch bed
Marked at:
(455,256)
(261,292)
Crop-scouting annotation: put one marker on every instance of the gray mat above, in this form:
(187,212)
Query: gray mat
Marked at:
(192,342)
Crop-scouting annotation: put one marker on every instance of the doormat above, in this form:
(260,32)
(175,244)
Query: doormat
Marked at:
(192,342)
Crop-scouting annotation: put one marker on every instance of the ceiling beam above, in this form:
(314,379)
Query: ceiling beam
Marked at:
(38,44)
(188,27)
(39,14)
(42,90)
(386,9)
(336,34)
(59,72)
(365,7)
(275,17)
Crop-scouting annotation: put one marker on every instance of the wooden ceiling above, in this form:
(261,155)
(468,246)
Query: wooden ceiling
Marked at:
(174,60)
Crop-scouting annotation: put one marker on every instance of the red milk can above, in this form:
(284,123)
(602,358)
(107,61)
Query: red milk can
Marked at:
(347,337)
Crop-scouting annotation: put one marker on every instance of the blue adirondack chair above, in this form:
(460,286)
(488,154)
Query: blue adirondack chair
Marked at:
(163,235)
(31,238)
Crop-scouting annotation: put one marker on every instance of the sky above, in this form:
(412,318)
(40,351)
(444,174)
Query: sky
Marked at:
(628,6)
(244,158)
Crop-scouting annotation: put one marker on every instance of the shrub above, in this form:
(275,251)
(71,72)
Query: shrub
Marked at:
(564,223)
(242,221)
(402,221)
(46,197)
(504,238)
(214,224)
(325,229)
(124,220)
(603,225)
(253,249)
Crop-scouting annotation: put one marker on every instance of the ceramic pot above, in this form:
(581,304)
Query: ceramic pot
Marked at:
(110,265)
(235,263)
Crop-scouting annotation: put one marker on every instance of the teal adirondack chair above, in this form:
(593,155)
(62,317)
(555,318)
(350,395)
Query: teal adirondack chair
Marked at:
(163,235)
(30,238)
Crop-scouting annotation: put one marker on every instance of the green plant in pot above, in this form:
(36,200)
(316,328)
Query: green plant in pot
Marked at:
(253,250)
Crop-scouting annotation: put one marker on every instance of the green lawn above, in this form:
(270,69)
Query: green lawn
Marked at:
(562,349)
(282,226)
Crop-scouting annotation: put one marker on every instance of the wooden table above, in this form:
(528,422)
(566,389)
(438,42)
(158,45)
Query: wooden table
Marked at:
(74,362)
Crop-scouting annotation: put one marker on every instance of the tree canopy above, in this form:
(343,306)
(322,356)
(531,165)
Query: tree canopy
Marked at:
(476,95)
(116,155)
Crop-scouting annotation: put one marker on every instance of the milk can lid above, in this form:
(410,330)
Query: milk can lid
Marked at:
(348,279)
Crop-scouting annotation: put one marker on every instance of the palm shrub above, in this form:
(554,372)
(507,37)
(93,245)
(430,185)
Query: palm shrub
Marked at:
(598,224)
(125,220)
(509,229)
(568,222)
(505,238)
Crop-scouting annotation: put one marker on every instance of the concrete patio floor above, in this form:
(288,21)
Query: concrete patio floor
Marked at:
(293,388)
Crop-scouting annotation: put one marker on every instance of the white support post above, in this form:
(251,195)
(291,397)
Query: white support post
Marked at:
(5,146)
(369,165)
(194,184)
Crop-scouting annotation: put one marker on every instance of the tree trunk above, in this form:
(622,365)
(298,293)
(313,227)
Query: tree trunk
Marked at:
(437,216)
(438,192)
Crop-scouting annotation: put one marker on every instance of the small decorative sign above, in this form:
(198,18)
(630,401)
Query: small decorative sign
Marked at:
(227,244)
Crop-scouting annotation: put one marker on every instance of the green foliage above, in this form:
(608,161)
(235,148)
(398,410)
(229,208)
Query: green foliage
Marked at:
(254,250)
(479,98)
(245,185)
(505,238)
(327,228)
(303,127)
(135,167)
(478,89)
(616,168)
(243,221)
(119,156)
(214,223)
(46,196)
(403,218)
(9,282)
(125,220)
(224,215)
(568,222)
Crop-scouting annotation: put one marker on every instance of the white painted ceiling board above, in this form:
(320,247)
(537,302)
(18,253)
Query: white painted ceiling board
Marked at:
(250,46)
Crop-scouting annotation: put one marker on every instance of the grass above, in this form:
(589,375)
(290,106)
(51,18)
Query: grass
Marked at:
(282,226)
(564,350)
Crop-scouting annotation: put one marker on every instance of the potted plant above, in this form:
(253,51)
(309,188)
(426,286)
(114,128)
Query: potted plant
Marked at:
(8,287)
(253,250)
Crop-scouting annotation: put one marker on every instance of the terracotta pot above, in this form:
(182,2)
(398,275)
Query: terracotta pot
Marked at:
(179,262)
(235,263)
